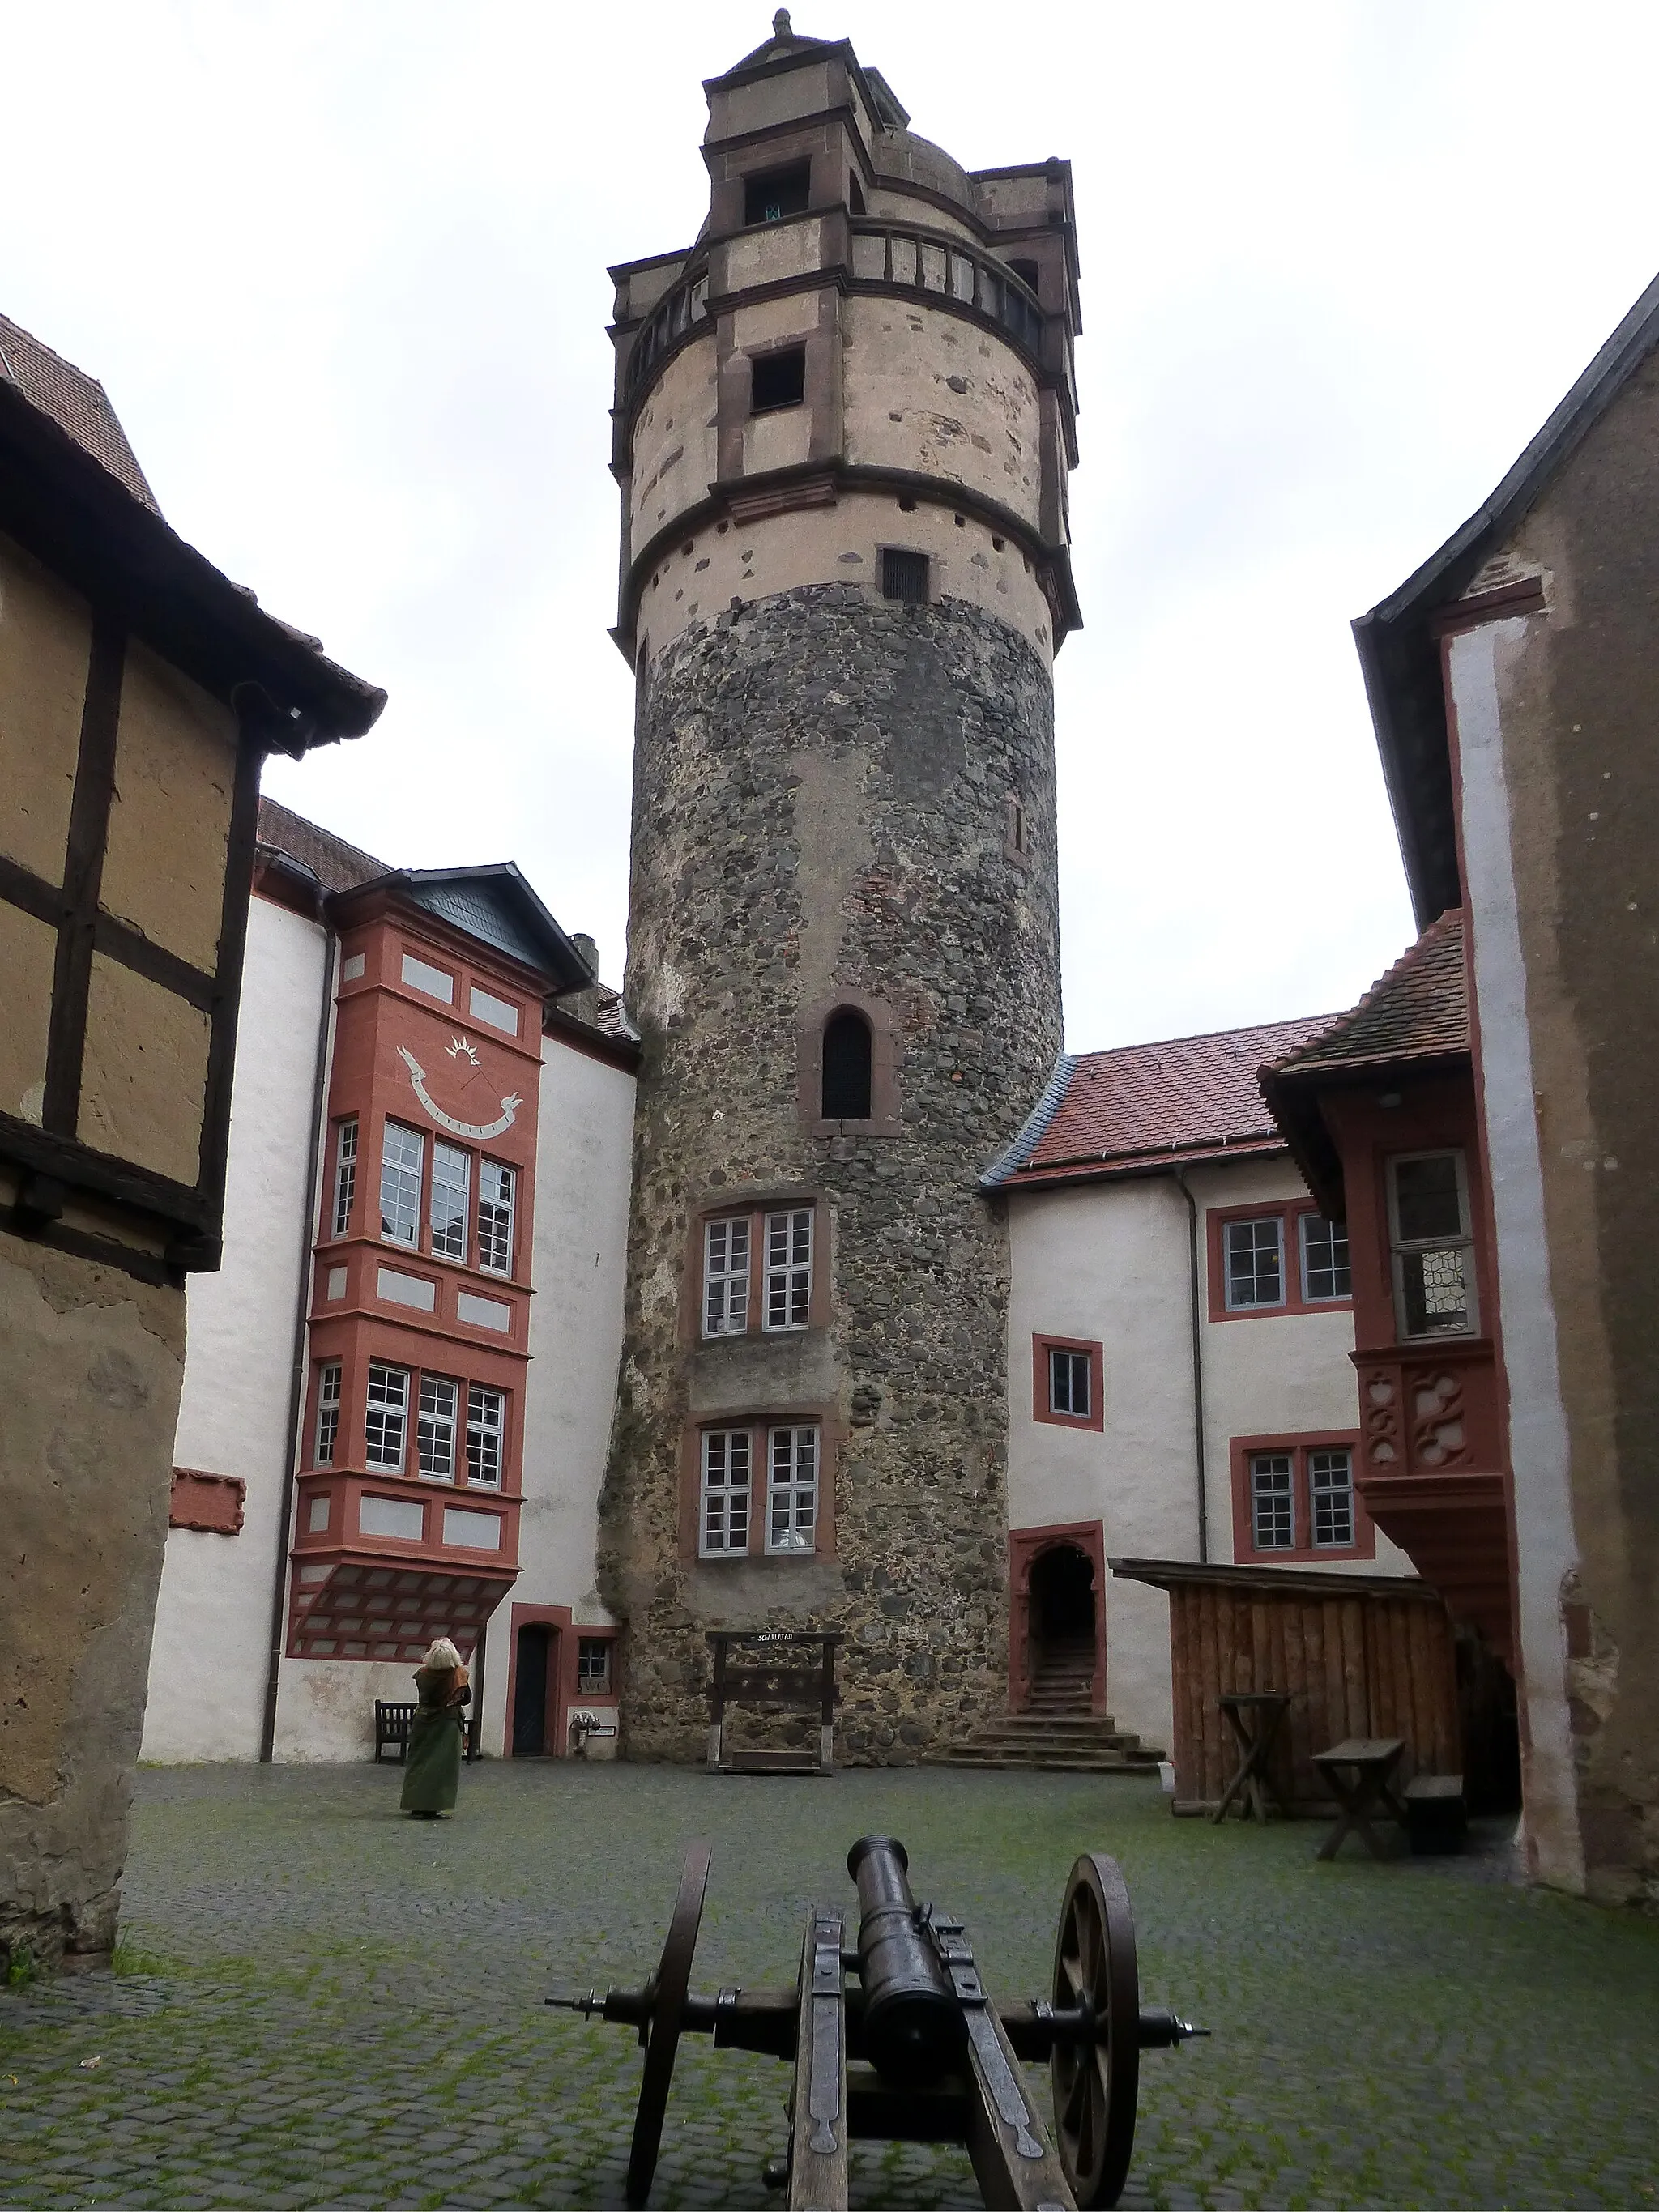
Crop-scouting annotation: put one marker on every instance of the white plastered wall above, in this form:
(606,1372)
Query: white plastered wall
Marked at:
(209,1659)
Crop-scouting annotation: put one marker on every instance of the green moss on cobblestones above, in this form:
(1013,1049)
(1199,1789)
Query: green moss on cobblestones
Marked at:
(350,2013)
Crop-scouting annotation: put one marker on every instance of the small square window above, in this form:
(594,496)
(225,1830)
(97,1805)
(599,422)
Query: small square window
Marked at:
(593,1667)
(904,575)
(776,193)
(1068,1384)
(777,379)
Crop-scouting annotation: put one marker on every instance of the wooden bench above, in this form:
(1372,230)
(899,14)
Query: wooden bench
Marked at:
(1357,1772)
(391,1725)
(1436,1814)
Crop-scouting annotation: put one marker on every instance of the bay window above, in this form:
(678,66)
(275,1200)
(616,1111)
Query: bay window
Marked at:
(1431,1245)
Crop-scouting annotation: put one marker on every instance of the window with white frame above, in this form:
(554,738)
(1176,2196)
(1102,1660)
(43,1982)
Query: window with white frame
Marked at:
(788,1269)
(401,1155)
(792,1488)
(486,1424)
(328,1413)
(435,1429)
(386,1418)
(725,1277)
(723,1524)
(1330,1490)
(452,1185)
(1273,1501)
(495,1194)
(1433,1246)
(345,1174)
(1068,1384)
(1254,1257)
(1325,1272)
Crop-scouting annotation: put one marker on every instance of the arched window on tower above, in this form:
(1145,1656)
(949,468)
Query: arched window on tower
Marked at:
(847,1067)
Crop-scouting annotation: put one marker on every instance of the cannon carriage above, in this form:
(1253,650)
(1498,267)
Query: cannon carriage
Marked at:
(896,2038)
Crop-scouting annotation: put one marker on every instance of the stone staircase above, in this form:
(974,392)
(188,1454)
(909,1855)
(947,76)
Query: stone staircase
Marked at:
(1056,1733)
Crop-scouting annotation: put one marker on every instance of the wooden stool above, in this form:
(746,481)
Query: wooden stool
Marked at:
(1370,1759)
(1256,1718)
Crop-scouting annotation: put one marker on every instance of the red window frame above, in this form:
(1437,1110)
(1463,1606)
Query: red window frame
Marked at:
(1291,1214)
(1042,1409)
(1304,1552)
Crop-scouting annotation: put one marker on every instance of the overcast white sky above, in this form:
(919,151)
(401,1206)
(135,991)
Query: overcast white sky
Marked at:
(341,268)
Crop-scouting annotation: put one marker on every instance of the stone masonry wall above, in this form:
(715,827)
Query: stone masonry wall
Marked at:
(821,804)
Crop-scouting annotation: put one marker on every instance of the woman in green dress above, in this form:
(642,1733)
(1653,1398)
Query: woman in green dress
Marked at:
(432,1772)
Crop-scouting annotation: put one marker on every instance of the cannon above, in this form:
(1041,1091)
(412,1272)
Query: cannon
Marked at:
(896,2038)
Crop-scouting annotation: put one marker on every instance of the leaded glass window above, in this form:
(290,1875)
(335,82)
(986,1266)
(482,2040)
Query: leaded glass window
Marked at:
(1433,1248)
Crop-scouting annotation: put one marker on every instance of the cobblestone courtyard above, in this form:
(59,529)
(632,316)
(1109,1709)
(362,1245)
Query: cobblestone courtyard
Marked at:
(324,2005)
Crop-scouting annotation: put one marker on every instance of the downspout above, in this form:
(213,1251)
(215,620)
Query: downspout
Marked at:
(1194,1293)
(302,1313)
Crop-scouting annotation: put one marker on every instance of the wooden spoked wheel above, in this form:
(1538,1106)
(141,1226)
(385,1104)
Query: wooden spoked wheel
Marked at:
(1095,2084)
(662,2034)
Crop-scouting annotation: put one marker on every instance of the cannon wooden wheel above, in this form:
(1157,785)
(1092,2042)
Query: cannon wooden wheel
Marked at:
(1095,2084)
(665,1993)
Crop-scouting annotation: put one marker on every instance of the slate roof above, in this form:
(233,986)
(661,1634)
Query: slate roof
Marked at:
(1418,1011)
(1148,1106)
(77,403)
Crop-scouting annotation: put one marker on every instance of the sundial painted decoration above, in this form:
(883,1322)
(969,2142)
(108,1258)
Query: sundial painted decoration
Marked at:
(462,1052)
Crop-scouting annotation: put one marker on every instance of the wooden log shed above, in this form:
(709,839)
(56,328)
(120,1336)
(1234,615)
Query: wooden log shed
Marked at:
(1358,1655)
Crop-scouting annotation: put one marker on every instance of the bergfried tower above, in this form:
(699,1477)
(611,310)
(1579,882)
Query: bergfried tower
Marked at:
(844,420)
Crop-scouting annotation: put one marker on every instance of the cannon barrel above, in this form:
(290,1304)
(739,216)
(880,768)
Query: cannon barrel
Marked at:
(914,2029)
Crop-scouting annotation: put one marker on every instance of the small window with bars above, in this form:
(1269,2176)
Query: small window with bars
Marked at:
(345,1174)
(435,1429)
(594,1666)
(1273,1501)
(903,575)
(1254,1262)
(1325,1272)
(401,1152)
(791,1489)
(788,1269)
(486,1428)
(495,1200)
(724,1519)
(386,1418)
(725,1277)
(1068,1384)
(328,1414)
(452,1186)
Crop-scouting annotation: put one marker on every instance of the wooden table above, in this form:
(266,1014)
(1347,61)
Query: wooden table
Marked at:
(1358,1771)
(1256,1718)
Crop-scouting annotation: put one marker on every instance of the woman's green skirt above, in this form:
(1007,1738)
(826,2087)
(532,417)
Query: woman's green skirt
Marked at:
(432,1774)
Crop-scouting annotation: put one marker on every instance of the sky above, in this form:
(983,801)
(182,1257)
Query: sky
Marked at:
(342,270)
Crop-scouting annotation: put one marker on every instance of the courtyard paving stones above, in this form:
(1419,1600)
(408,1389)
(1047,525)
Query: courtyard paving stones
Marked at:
(332,2006)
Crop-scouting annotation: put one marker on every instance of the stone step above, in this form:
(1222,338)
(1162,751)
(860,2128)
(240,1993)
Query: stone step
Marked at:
(1020,1728)
(1046,1762)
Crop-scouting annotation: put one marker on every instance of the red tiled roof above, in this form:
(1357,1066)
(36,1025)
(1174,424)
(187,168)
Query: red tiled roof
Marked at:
(1418,1011)
(1142,1105)
(76,402)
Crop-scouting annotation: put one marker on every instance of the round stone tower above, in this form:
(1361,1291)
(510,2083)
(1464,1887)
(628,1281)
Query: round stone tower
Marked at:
(843,420)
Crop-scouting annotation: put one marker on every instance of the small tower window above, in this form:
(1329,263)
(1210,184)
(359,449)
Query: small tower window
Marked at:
(777,379)
(1027,273)
(779,192)
(903,575)
(847,1067)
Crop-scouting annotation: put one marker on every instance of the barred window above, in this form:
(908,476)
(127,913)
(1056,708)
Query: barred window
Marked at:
(495,1188)
(1255,1262)
(904,575)
(1068,1384)
(328,1413)
(486,1424)
(791,1489)
(1272,1515)
(452,1184)
(1433,1248)
(345,1174)
(593,1667)
(401,1153)
(726,1278)
(724,1501)
(1325,1273)
(1330,1484)
(434,1428)
(788,1269)
(388,1411)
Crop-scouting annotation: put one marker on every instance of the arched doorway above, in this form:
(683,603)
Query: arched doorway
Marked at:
(532,1675)
(1058,1649)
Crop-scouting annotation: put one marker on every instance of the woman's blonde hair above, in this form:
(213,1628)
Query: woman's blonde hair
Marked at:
(442,1654)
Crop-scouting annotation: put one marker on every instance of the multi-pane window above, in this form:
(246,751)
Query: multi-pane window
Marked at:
(400,1184)
(1272,1502)
(486,1422)
(788,1269)
(1325,1272)
(1330,1488)
(1254,1262)
(345,1174)
(495,1186)
(387,1416)
(1433,1249)
(452,1182)
(434,1428)
(792,1488)
(328,1413)
(1068,1384)
(724,1522)
(593,1667)
(726,1278)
